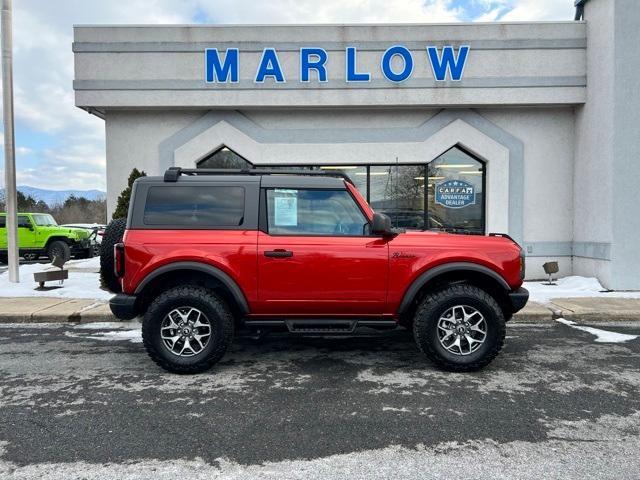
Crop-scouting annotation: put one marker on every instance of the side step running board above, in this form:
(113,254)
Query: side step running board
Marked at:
(322,326)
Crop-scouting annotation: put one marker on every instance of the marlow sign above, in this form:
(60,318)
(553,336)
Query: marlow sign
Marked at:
(445,62)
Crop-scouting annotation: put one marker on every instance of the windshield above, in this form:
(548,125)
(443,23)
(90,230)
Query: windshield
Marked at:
(44,220)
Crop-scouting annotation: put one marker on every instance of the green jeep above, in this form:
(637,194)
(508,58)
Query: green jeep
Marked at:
(39,234)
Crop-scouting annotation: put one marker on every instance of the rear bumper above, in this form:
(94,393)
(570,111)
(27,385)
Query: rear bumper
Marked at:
(518,299)
(123,306)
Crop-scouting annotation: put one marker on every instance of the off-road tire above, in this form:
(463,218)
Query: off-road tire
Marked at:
(436,304)
(59,249)
(112,234)
(210,305)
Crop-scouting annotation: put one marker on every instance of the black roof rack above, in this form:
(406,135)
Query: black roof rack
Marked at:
(173,173)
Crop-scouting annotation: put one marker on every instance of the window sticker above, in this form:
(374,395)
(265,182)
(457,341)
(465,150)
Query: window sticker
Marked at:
(286,211)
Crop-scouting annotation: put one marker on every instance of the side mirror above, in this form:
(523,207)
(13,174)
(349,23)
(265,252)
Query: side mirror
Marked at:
(381,225)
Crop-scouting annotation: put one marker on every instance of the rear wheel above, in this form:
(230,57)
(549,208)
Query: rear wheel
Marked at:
(459,328)
(112,234)
(59,249)
(187,329)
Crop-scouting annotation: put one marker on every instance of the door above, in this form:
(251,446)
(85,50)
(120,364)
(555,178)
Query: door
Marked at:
(316,256)
(26,232)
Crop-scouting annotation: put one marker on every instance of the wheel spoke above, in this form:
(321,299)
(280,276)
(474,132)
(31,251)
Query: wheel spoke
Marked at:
(173,340)
(448,333)
(197,339)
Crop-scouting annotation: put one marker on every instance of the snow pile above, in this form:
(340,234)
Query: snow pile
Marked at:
(602,336)
(87,264)
(572,287)
(81,284)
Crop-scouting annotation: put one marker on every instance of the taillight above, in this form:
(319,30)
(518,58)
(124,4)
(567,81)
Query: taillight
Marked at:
(522,264)
(118,259)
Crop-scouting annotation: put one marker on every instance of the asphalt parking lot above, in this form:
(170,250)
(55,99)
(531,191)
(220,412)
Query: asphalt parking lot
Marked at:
(86,402)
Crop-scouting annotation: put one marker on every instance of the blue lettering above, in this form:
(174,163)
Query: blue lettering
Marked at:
(386,63)
(352,74)
(448,61)
(316,63)
(269,66)
(217,72)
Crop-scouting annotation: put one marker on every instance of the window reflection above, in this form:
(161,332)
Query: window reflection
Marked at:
(398,191)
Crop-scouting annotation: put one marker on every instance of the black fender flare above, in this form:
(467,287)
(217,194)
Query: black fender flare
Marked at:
(430,274)
(216,273)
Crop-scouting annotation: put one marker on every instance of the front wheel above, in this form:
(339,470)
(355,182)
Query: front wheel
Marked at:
(59,249)
(459,328)
(187,329)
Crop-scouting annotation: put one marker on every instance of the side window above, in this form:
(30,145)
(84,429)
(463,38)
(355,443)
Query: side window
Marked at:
(23,221)
(314,212)
(196,206)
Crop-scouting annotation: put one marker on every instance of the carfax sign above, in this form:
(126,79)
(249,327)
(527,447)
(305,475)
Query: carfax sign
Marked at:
(455,194)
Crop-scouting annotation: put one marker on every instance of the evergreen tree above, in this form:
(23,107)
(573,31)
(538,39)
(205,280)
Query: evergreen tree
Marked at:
(122,207)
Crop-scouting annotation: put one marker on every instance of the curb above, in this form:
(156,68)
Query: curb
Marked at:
(57,311)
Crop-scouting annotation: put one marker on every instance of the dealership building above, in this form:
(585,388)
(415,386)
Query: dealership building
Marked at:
(530,129)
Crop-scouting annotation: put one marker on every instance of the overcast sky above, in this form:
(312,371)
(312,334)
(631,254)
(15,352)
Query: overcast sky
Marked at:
(61,147)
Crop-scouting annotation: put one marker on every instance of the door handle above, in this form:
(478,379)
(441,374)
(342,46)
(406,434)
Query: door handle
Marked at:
(278,253)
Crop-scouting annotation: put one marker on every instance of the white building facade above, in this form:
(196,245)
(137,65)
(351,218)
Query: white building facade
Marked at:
(531,129)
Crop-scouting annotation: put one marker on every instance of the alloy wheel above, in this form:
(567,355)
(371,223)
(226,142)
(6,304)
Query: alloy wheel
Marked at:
(462,330)
(185,331)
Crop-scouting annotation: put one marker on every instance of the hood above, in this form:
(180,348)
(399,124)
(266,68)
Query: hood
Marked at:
(77,233)
(459,239)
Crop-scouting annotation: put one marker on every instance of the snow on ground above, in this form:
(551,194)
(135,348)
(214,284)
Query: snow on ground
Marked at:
(572,287)
(81,284)
(602,336)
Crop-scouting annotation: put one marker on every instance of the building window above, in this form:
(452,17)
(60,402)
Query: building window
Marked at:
(444,194)
(398,191)
(455,192)
(357,174)
(224,158)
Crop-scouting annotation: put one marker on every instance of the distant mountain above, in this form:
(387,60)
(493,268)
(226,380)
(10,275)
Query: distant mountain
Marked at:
(54,197)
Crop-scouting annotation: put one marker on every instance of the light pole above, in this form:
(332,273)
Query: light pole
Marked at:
(9,142)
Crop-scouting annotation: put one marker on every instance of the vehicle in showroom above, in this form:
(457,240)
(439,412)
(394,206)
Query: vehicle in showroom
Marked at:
(204,253)
(39,234)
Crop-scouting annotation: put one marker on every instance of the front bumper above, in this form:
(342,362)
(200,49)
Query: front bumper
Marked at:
(518,299)
(123,306)
(80,245)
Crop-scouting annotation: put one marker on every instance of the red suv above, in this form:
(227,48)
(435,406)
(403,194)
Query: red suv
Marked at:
(206,252)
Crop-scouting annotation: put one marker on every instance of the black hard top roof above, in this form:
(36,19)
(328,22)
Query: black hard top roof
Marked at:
(266,178)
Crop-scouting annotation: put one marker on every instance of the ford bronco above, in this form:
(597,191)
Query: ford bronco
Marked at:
(206,252)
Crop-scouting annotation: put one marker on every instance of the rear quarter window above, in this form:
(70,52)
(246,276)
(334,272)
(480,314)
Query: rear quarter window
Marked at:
(196,206)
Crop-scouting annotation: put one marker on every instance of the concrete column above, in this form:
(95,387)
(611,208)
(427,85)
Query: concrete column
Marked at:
(607,162)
